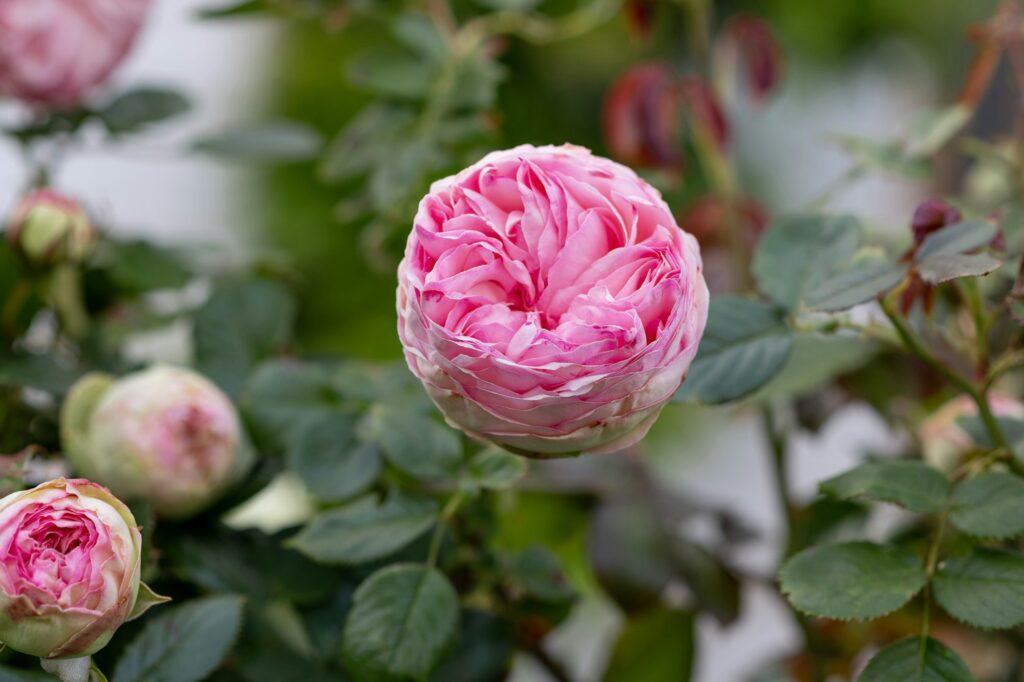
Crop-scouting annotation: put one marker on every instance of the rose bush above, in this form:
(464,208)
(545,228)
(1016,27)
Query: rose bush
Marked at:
(549,302)
(165,434)
(53,52)
(47,227)
(69,574)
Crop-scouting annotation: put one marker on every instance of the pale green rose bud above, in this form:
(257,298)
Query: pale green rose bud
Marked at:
(48,228)
(164,434)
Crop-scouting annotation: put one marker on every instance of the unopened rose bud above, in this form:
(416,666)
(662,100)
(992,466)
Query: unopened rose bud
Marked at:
(944,441)
(165,434)
(931,216)
(704,111)
(48,228)
(69,569)
(750,41)
(641,117)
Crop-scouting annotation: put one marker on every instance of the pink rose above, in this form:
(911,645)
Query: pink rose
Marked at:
(53,52)
(164,434)
(69,568)
(548,301)
(944,441)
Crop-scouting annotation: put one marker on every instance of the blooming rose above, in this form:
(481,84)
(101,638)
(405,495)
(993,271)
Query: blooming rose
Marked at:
(549,302)
(48,228)
(69,568)
(164,434)
(944,441)
(53,52)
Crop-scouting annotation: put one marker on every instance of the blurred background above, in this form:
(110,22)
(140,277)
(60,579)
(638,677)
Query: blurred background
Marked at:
(862,67)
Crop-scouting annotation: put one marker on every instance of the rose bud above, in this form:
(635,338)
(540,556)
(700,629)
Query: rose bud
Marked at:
(931,216)
(164,434)
(69,574)
(54,52)
(704,112)
(48,228)
(748,44)
(548,301)
(641,118)
(944,441)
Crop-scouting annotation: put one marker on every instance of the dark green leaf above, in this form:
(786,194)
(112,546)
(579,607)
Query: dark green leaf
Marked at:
(984,590)
(271,142)
(797,254)
(990,505)
(43,372)
(328,459)
(483,650)
(909,661)
(137,267)
(858,285)
(183,643)
(281,396)
(402,620)
(141,107)
(852,581)
(367,529)
(958,238)
(910,484)
(538,572)
(745,344)
(495,469)
(943,268)
(15,675)
(243,322)
(412,442)
(654,646)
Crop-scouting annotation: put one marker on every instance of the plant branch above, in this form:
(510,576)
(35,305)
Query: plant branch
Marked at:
(447,513)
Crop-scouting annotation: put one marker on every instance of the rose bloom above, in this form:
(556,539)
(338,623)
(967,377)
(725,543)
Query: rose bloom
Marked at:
(549,302)
(944,441)
(164,434)
(69,568)
(53,52)
(47,228)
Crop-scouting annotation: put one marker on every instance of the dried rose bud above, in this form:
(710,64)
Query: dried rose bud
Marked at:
(641,118)
(750,41)
(165,434)
(703,110)
(48,228)
(931,216)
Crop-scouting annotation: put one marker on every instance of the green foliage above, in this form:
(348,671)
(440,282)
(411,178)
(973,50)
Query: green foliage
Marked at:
(989,505)
(269,142)
(401,621)
(654,646)
(416,444)
(329,459)
(184,643)
(912,660)
(985,589)
(852,581)
(132,110)
(945,254)
(910,484)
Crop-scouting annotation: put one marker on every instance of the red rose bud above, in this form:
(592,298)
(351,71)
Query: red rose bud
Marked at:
(704,111)
(641,118)
(751,41)
(930,217)
(48,228)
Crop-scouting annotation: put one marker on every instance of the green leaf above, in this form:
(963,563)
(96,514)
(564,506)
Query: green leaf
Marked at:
(269,142)
(328,459)
(931,131)
(496,469)
(939,269)
(990,505)
(392,72)
(140,107)
(483,650)
(414,443)
(402,620)
(909,661)
(914,485)
(281,396)
(797,254)
(366,141)
(745,344)
(984,590)
(243,322)
(416,31)
(957,238)
(852,581)
(184,643)
(137,267)
(43,372)
(654,646)
(858,285)
(887,156)
(1012,429)
(538,573)
(15,675)
(366,530)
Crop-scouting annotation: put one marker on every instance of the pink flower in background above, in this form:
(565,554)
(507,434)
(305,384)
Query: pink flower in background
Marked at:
(549,302)
(69,568)
(48,228)
(164,434)
(53,52)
